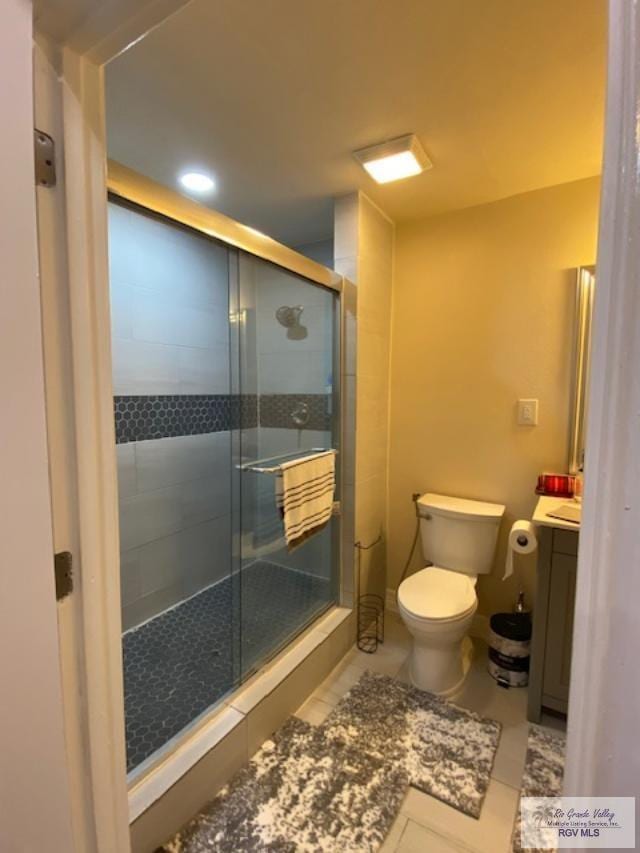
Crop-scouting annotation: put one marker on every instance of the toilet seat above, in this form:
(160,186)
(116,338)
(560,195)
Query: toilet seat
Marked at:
(437,595)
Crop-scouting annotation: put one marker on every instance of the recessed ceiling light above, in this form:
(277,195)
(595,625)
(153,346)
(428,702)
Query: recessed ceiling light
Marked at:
(394,160)
(197,182)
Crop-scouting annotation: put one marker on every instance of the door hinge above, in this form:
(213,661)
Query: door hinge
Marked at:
(45,156)
(63,574)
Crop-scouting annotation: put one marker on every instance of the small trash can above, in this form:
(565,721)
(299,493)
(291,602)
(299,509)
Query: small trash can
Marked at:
(510,648)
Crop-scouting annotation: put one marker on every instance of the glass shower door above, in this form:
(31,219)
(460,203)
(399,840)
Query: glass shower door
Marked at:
(288,365)
(223,364)
(175,419)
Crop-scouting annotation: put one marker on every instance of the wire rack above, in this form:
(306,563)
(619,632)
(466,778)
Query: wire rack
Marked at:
(370,608)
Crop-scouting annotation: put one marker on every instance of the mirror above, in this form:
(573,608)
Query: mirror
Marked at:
(585,287)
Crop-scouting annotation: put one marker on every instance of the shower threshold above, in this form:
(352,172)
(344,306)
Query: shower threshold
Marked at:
(181,662)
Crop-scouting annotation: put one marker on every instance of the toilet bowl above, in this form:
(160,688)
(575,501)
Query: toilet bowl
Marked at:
(438,603)
(437,607)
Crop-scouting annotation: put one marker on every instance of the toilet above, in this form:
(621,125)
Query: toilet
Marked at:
(437,604)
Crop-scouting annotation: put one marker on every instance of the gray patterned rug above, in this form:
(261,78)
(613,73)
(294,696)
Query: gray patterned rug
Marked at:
(543,772)
(300,794)
(446,751)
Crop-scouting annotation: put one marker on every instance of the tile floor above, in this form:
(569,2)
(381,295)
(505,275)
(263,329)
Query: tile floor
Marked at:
(425,825)
(181,662)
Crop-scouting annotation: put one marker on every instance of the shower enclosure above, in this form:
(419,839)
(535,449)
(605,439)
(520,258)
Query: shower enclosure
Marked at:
(224,365)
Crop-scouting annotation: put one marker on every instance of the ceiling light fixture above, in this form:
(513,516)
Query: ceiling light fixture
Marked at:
(197,182)
(391,161)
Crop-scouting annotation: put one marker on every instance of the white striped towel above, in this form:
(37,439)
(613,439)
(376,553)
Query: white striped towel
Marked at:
(304,493)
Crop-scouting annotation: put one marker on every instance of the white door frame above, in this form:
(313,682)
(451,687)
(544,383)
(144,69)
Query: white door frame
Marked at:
(93,697)
(602,754)
(607,534)
(86,233)
(35,810)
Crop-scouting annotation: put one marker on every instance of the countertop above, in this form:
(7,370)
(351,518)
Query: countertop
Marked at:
(548,504)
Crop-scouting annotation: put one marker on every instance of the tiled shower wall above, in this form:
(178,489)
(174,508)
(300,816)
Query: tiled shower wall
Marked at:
(290,364)
(364,249)
(289,370)
(169,292)
(320,251)
(170,308)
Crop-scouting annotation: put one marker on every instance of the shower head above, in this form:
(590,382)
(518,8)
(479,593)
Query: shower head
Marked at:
(289,316)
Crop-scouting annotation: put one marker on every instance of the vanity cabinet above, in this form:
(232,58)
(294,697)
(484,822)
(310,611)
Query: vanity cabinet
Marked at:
(553,621)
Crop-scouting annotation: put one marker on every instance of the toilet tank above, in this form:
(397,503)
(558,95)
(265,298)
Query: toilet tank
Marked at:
(459,534)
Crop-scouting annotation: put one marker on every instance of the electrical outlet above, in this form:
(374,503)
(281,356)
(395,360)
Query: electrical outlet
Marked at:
(527,412)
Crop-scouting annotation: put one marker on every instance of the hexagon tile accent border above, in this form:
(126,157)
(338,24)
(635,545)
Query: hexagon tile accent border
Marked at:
(139,418)
(145,417)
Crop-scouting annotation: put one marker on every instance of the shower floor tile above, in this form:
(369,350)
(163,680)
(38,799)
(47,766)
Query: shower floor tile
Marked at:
(182,661)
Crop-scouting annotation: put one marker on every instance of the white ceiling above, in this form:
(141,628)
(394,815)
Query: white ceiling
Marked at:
(273,96)
(99,28)
(58,18)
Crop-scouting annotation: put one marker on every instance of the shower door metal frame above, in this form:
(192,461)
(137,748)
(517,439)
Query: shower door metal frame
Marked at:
(133,188)
(139,192)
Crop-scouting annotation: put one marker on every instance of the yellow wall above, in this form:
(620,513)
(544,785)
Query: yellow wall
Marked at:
(482,316)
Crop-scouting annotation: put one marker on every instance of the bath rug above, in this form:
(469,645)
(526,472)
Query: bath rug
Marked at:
(299,794)
(543,772)
(445,750)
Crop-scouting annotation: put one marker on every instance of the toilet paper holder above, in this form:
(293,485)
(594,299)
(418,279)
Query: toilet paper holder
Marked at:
(522,539)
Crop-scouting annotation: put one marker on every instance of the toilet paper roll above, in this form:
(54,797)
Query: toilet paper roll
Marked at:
(522,540)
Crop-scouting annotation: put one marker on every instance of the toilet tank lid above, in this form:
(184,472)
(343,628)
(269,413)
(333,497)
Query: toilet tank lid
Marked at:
(458,507)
